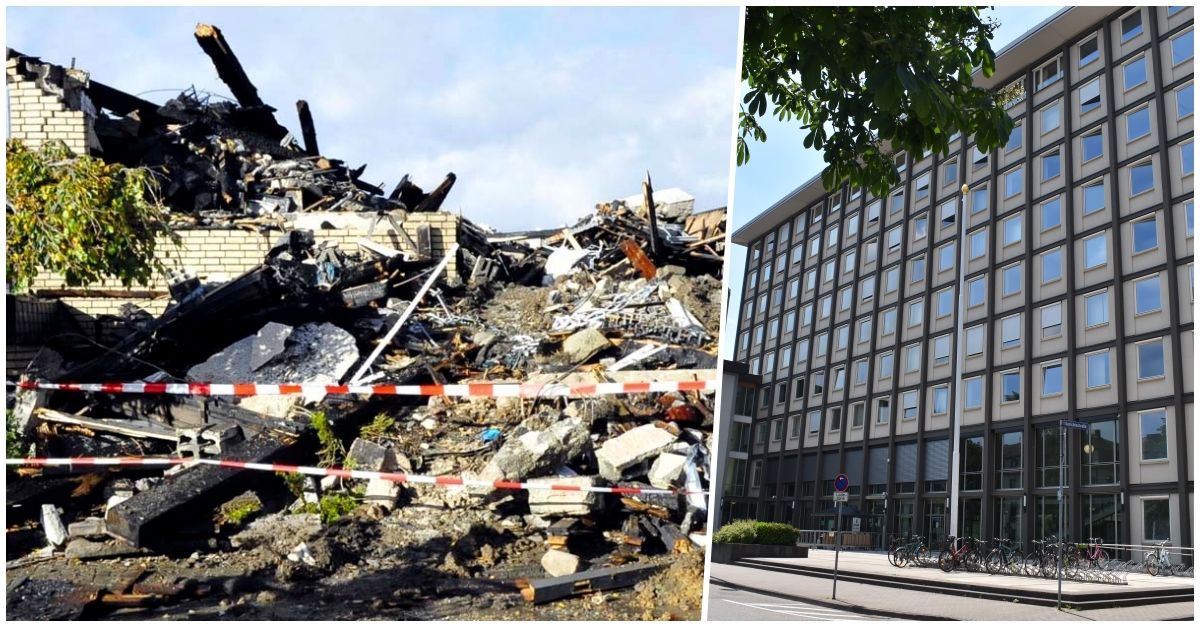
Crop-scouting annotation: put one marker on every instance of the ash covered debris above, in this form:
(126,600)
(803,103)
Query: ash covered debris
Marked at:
(630,293)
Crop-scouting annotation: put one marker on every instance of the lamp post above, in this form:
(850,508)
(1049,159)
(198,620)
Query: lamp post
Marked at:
(960,349)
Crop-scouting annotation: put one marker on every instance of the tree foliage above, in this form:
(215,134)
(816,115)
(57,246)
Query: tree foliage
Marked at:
(866,82)
(80,217)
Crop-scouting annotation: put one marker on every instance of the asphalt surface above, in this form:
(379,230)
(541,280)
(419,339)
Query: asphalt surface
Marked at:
(738,605)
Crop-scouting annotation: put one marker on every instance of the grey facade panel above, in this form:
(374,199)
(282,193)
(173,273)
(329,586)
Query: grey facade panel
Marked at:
(829,466)
(854,466)
(809,469)
(877,471)
(906,462)
(937,459)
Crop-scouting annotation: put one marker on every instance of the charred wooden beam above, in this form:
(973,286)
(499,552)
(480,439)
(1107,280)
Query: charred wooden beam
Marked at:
(307,129)
(228,67)
(648,198)
(433,201)
(554,588)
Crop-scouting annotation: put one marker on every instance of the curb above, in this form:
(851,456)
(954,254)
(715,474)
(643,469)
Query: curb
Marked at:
(829,604)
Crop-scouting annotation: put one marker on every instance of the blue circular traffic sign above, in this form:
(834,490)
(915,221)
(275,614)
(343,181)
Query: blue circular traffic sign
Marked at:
(841,483)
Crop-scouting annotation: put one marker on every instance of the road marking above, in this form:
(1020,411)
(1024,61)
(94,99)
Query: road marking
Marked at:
(810,612)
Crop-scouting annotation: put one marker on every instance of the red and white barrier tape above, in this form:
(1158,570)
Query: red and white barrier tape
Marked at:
(490,390)
(397,477)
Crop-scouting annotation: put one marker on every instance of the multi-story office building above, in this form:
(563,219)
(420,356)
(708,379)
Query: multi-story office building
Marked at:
(740,392)
(927,343)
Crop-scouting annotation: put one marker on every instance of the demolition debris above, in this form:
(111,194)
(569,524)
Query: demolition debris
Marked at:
(367,432)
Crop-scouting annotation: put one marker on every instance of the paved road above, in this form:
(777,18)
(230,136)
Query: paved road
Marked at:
(729,604)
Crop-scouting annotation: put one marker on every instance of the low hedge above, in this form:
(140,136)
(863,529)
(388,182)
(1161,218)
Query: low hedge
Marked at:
(754,532)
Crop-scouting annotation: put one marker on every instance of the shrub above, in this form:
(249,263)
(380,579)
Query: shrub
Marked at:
(775,533)
(736,532)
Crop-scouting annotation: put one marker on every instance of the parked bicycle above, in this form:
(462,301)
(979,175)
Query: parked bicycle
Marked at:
(1051,560)
(1158,561)
(913,551)
(954,556)
(1006,557)
(1037,561)
(1094,556)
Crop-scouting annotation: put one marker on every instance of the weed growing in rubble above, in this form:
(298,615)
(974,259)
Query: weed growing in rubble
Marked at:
(330,507)
(331,447)
(239,514)
(15,445)
(377,428)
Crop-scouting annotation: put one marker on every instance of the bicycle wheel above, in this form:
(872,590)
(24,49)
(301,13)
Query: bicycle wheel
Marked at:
(946,561)
(1049,566)
(973,562)
(901,555)
(994,562)
(1153,566)
(1102,559)
(891,555)
(1016,562)
(1032,565)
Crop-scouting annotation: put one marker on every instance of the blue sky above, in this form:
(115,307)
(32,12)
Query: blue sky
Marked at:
(542,113)
(782,164)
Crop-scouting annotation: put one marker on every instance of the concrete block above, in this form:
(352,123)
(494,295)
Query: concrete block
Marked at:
(666,470)
(562,502)
(583,344)
(52,524)
(383,493)
(367,455)
(629,450)
(558,563)
(88,528)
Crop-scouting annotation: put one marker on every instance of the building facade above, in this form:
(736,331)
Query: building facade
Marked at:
(928,343)
(735,417)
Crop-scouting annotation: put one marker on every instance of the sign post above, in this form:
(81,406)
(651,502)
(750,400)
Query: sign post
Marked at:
(839,484)
(1062,449)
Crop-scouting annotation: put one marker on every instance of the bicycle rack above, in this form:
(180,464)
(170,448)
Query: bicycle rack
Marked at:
(1110,572)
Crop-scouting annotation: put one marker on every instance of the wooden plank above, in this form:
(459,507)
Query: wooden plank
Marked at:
(307,129)
(554,588)
(135,428)
(638,258)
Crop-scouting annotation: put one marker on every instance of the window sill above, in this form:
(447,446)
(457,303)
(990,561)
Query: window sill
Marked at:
(1054,280)
(1154,378)
(1155,462)
(1091,388)
(1095,267)
(1147,313)
(1053,395)
(1051,337)
(1016,402)
(1142,252)
(1129,89)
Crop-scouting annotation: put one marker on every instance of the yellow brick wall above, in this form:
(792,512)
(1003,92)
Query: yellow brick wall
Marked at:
(36,116)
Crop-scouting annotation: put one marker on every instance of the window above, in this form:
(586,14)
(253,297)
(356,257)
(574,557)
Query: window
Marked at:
(922,186)
(885,365)
(826,306)
(1147,296)
(810,280)
(800,222)
(1047,74)
(1012,183)
(974,393)
(1089,99)
(769,367)
(855,192)
(802,351)
(1095,251)
(762,303)
(793,288)
(756,366)
(889,321)
(950,173)
(1173,10)
(947,213)
(798,388)
(1150,360)
(1189,217)
(1093,198)
(1014,140)
(1051,266)
(946,257)
(814,246)
(897,200)
(1141,178)
(917,273)
(859,411)
(1097,309)
(758,335)
(1184,104)
(916,312)
(1137,124)
(843,338)
(830,270)
(1008,465)
(835,419)
(773,329)
(860,372)
(1010,387)
(864,330)
(1099,448)
(980,158)
(852,225)
(744,341)
(1145,235)
(1018,86)
(891,279)
(780,264)
(1051,321)
(816,215)
(839,378)
(845,299)
(776,296)
(868,289)
(1154,435)
(975,340)
(945,302)
(818,384)
(1093,146)
(1010,331)
(1182,47)
(941,350)
(1052,380)
(766,274)
(1156,519)
(1050,118)
(941,400)
(831,238)
(977,243)
(869,255)
(806,315)
(797,254)
(1131,26)
(1135,72)
(1012,230)
(901,162)
(920,227)
(893,239)
(979,198)
(822,344)
(912,358)
(1012,279)
(1187,157)
(1097,370)
(1051,166)
(873,212)
(1048,459)
(780,394)
(1089,51)
(814,422)
(910,404)
(785,358)
(976,291)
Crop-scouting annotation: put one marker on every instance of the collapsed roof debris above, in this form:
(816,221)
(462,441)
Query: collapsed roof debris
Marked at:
(629,294)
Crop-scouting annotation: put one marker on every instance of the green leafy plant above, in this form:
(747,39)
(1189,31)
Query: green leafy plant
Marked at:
(80,217)
(331,449)
(868,81)
(294,482)
(775,533)
(377,428)
(239,514)
(15,445)
(736,532)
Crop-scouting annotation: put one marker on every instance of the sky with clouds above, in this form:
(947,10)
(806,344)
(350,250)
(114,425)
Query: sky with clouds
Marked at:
(541,112)
(780,165)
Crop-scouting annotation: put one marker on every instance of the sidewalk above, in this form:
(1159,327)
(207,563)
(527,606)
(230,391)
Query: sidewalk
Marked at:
(885,601)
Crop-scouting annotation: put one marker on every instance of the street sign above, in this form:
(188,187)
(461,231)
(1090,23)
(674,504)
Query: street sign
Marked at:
(841,483)
(855,524)
(1071,424)
(841,497)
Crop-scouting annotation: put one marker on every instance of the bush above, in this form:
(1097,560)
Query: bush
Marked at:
(775,533)
(736,532)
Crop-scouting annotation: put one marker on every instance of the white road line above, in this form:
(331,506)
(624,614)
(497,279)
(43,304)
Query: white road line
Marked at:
(848,615)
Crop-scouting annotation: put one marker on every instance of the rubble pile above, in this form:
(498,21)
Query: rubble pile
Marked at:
(631,294)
